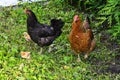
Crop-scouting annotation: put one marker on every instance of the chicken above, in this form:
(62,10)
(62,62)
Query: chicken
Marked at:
(81,37)
(43,34)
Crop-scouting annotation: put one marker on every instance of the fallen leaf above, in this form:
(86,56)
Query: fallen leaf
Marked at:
(66,67)
(25,55)
(21,66)
(26,36)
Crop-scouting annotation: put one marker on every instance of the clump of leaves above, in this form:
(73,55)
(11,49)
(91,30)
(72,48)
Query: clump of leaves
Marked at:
(111,13)
(87,5)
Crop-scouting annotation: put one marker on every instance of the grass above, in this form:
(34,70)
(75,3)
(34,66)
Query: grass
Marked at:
(61,63)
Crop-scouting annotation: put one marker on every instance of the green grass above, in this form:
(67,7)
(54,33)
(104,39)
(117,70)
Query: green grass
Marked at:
(61,63)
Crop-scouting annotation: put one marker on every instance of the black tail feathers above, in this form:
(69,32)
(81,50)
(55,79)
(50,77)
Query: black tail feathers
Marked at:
(57,24)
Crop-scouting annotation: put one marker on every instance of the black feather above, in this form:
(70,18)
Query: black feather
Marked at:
(43,34)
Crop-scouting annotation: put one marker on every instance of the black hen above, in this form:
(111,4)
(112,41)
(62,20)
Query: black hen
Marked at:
(43,34)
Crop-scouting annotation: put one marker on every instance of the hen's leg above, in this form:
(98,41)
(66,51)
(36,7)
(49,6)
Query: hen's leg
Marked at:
(41,49)
(78,59)
(93,44)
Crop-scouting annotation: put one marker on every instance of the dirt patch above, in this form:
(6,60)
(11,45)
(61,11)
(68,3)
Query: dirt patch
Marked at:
(111,65)
(110,43)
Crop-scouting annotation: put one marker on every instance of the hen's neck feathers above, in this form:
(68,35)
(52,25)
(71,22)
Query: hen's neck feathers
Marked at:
(77,26)
(31,20)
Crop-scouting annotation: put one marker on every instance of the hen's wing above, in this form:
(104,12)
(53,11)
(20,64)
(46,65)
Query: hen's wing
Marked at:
(86,26)
(45,41)
(44,30)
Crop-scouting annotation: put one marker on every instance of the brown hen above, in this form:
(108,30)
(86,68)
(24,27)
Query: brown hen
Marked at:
(81,37)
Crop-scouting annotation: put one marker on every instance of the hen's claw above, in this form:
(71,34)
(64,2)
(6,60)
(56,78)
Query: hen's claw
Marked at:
(86,56)
(78,59)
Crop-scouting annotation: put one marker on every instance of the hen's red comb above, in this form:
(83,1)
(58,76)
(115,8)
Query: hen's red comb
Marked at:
(76,18)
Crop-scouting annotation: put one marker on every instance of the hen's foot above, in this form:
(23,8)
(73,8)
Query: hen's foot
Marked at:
(86,56)
(78,59)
